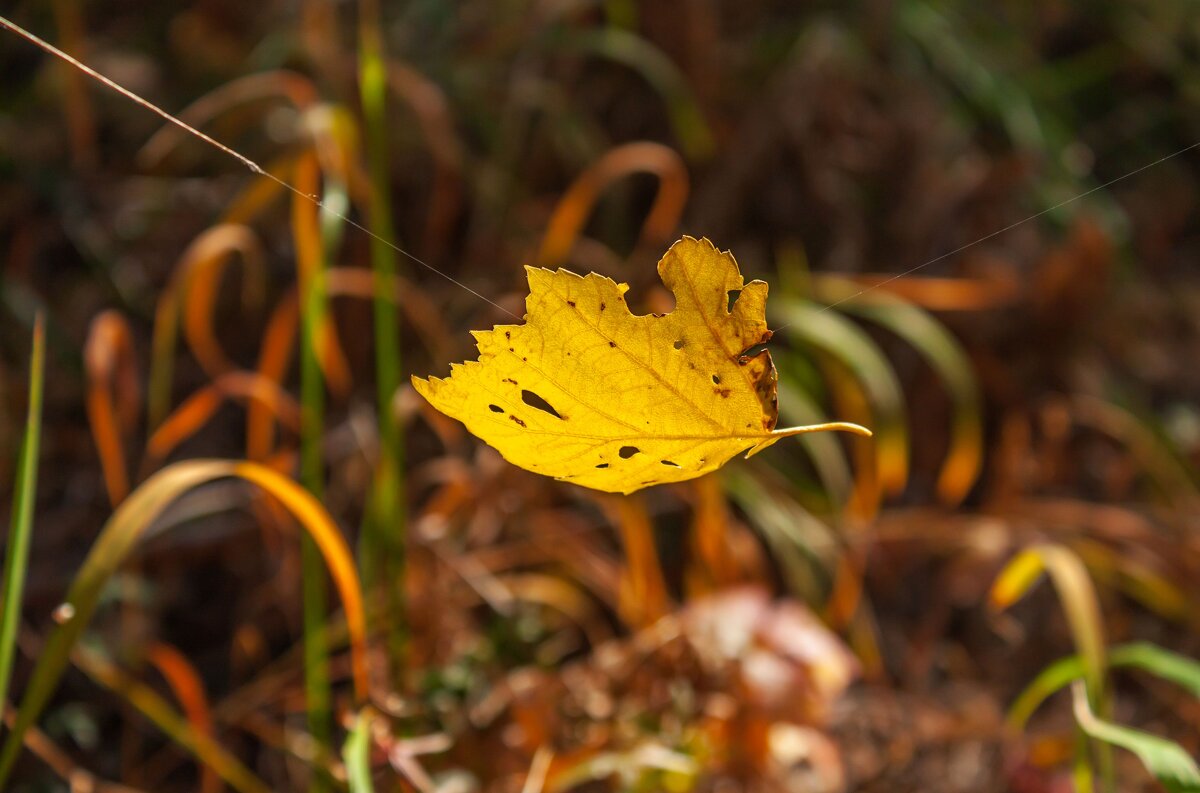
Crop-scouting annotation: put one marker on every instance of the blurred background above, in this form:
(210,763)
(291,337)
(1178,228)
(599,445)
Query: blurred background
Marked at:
(819,618)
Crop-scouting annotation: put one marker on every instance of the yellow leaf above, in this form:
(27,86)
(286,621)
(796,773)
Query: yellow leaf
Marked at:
(589,393)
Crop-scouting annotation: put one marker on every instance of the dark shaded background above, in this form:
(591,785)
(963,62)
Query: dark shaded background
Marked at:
(860,140)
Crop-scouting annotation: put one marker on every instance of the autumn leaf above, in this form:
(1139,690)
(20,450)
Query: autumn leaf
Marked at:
(587,392)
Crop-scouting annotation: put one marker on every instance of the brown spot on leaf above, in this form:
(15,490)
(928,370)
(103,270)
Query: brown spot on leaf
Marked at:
(724,392)
(602,306)
(612,344)
(571,303)
(514,418)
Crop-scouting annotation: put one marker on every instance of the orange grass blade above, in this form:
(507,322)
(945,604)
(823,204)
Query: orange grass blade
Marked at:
(113,396)
(928,292)
(116,542)
(576,205)
(717,566)
(188,688)
(206,750)
(249,387)
(199,289)
(964,458)
(643,596)
(278,341)
(191,292)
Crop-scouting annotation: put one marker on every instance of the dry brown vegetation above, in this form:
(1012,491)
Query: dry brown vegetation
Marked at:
(834,614)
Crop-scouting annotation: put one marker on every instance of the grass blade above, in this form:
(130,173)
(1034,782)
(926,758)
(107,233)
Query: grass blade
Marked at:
(16,556)
(1178,669)
(382,545)
(215,761)
(621,46)
(356,754)
(117,540)
(186,684)
(1082,609)
(310,263)
(964,458)
(1167,760)
(830,334)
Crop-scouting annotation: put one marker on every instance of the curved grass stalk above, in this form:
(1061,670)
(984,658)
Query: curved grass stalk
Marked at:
(113,396)
(964,457)
(195,281)
(573,209)
(116,542)
(197,409)
(1082,609)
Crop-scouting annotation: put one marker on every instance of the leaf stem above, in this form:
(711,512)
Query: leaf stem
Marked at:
(831,426)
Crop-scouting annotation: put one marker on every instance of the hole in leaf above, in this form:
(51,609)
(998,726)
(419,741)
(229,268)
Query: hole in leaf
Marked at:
(716,380)
(750,352)
(733,295)
(678,344)
(628,451)
(495,408)
(535,401)
(602,465)
(670,463)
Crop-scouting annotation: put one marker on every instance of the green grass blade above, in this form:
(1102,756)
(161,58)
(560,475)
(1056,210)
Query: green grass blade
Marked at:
(621,46)
(1164,664)
(800,543)
(1179,669)
(1053,678)
(1167,760)
(1082,610)
(382,547)
(809,325)
(356,754)
(796,407)
(16,556)
(311,258)
(945,356)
